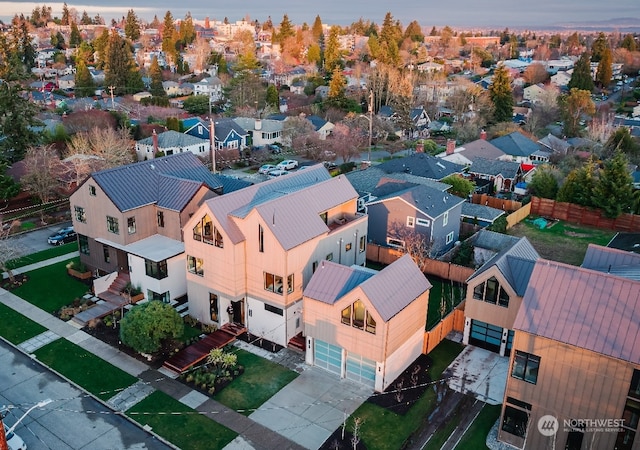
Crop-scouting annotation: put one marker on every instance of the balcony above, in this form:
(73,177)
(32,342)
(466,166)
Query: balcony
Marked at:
(343,220)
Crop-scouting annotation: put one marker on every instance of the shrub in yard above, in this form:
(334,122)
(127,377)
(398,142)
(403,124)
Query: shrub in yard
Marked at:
(147,325)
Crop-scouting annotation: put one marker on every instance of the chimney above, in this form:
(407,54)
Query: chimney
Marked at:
(154,136)
(212,145)
(258,125)
(451,146)
(483,135)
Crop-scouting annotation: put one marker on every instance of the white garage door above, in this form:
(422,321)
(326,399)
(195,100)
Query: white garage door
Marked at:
(328,356)
(361,369)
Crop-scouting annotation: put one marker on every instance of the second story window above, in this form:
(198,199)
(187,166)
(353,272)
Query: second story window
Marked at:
(112,225)
(131,225)
(525,367)
(445,219)
(81,214)
(491,292)
(161,219)
(357,316)
(260,239)
(195,265)
(92,190)
(156,269)
(273,283)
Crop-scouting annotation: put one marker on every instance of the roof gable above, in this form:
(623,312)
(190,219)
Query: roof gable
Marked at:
(423,165)
(516,144)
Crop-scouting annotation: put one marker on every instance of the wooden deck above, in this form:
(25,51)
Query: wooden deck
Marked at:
(195,353)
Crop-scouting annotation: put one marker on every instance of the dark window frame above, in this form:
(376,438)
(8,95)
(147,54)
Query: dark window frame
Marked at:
(526,367)
(156,269)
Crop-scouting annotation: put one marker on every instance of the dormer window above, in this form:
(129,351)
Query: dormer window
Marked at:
(491,292)
(357,316)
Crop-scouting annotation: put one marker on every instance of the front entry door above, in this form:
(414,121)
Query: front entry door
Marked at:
(123,261)
(238,312)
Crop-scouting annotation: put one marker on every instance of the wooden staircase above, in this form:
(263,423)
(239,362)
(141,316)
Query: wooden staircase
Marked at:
(297,343)
(119,283)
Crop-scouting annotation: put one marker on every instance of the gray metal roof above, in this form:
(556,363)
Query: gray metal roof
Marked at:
(515,260)
(508,169)
(616,262)
(480,212)
(422,165)
(389,291)
(365,181)
(170,180)
(431,202)
(172,138)
(588,309)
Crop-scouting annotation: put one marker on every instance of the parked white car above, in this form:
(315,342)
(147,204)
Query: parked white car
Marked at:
(277,173)
(287,164)
(265,169)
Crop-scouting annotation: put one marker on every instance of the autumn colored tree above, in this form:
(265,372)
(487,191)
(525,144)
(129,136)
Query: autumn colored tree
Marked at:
(629,43)
(42,172)
(345,142)
(414,32)
(502,95)
(535,73)
(573,108)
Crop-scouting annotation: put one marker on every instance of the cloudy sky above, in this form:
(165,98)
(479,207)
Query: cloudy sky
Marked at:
(456,13)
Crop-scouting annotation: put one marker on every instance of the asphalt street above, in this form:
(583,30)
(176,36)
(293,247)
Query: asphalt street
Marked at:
(73,420)
(35,241)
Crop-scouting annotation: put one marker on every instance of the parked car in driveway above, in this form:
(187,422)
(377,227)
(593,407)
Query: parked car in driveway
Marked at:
(287,164)
(266,168)
(277,173)
(63,236)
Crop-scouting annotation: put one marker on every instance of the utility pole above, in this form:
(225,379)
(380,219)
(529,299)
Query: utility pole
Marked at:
(113,103)
(370,121)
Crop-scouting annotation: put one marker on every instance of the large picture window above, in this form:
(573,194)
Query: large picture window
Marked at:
(272,283)
(491,292)
(156,269)
(525,367)
(515,420)
(357,316)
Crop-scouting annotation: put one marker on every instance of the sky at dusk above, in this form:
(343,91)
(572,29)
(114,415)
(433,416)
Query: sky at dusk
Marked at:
(456,13)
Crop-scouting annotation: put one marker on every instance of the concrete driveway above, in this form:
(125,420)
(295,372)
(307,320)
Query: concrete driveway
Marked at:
(310,408)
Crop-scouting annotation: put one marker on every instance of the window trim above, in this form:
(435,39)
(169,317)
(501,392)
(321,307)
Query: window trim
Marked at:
(92,190)
(113,225)
(195,265)
(449,238)
(131,225)
(445,219)
(411,221)
(524,370)
(80,213)
(362,245)
(423,222)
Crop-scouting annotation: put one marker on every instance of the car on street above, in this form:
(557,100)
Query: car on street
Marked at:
(277,173)
(287,164)
(63,236)
(266,168)
(14,442)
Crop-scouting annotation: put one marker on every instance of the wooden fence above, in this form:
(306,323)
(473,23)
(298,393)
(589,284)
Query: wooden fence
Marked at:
(581,215)
(441,269)
(518,216)
(494,202)
(452,322)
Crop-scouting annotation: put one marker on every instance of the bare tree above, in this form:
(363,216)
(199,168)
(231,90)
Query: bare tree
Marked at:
(345,142)
(535,73)
(355,439)
(42,173)
(10,249)
(415,244)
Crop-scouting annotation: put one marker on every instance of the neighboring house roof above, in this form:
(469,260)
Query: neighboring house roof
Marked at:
(431,202)
(390,291)
(515,258)
(562,303)
(365,181)
(480,148)
(290,206)
(481,212)
(629,242)
(170,181)
(225,126)
(422,165)
(385,111)
(516,144)
(267,125)
(555,144)
(508,169)
(317,121)
(209,81)
(622,263)
(172,138)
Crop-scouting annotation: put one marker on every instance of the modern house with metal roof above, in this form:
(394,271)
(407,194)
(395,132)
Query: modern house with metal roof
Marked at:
(365,325)
(253,251)
(495,290)
(574,373)
(129,221)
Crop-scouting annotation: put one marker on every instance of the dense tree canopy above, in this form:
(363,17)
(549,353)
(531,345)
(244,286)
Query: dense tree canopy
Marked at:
(502,95)
(581,76)
(613,192)
(146,326)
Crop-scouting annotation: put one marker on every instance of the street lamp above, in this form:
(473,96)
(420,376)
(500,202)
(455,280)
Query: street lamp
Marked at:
(3,439)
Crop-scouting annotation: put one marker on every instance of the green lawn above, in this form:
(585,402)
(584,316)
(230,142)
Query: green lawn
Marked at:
(17,328)
(179,424)
(38,290)
(562,242)
(43,255)
(85,369)
(259,382)
(476,436)
(441,436)
(383,429)
(453,293)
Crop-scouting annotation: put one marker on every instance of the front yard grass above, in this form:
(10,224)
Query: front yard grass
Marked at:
(259,382)
(43,255)
(17,328)
(383,429)
(38,290)
(475,437)
(87,370)
(179,424)
(562,242)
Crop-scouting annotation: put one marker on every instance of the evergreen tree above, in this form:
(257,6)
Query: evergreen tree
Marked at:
(605,69)
(332,55)
(581,77)
(316,29)
(75,38)
(613,192)
(155,74)
(579,185)
(85,19)
(414,32)
(336,85)
(629,43)
(65,15)
(390,31)
(501,95)
(21,43)
(314,54)
(17,121)
(118,65)
(85,86)
(273,99)
(543,183)
(100,44)
(132,26)
(187,30)
(285,31)
(169,38)
(135,83)
(598,47)
(57,41)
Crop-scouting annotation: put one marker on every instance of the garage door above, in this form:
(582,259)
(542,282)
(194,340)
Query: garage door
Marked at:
(361,369)
(328,357)
(485,335)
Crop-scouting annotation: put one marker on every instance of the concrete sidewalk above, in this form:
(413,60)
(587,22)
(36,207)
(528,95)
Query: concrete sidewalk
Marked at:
(37,265)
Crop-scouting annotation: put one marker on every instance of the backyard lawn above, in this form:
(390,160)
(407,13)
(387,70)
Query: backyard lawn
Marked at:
(259,382)
(38,290)
(562,241)
(85,369)
(384,429)
(179,424)
(17,328)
